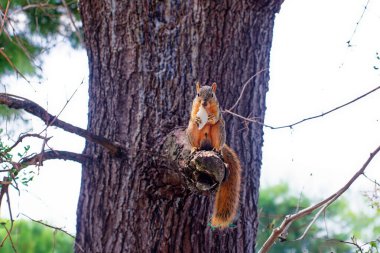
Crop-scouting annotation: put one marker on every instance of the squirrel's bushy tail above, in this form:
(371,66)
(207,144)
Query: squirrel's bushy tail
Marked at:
(227,196)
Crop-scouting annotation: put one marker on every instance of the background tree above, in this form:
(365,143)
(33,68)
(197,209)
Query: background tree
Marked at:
(30,237)
(275,201)
(335,232)
(29,28)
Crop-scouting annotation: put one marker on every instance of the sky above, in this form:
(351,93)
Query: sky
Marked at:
(53,194)
(312,70)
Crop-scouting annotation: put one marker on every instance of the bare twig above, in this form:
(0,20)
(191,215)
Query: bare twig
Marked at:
(32,6)
(20,44)
(255,120)
(63,108)
(4,191)
(12,65)
(15,185)
(52,154)
(38,159)
(73,21)
(5,17)
(353,242)
(41,158)
(10,215)
(6,170)
(10,238)
(322,204)
(23,136)
(252,120)
(47,225)
(357,25)
(244,86)
(17,102)
(54,239)
(4,188)
(328,112)
(323,209)
(373,181)
(53,227)
(325,223)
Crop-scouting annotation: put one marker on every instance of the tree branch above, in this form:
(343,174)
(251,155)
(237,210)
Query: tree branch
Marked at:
(53,227)
(244,86)
(289,219)
(5,191)
(23,136)
(37,159)
(4,18)
(49,226)
(12,65)
(17,102)
(357,24)
(373,181)
(200,171)
(255,120)
(77,32)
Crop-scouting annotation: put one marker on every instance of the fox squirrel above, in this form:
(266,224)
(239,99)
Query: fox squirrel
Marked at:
(206,131)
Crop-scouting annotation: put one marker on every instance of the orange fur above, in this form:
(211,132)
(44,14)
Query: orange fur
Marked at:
(210,131)
(227,196)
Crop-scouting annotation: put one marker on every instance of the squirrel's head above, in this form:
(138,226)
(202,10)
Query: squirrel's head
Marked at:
(206,94)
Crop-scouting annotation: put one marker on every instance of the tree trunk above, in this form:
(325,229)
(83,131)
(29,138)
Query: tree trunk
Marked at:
(144,60)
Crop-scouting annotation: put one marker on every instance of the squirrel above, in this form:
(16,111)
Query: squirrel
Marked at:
(212,136)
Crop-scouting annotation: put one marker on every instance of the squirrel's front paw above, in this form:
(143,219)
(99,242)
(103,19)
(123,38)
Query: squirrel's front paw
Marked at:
(198,120)
(193,150)
(212,119)
(219,151)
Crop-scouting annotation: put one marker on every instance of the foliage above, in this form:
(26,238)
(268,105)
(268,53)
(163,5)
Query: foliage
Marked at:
(9,114)
(13,164)
(30,27)
(334,233)
(31,237)
(11,120)
(374,197)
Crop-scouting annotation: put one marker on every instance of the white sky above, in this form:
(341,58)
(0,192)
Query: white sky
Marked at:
(52,195)
(312,71)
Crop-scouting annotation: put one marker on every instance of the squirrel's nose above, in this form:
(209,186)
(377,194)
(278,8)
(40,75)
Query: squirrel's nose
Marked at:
(204,104)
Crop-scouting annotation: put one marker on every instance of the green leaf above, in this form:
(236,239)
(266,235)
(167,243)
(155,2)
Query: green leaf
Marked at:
(30,237)
(373,244)
(34,30)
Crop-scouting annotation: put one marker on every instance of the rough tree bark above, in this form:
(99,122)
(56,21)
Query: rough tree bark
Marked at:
(144,59)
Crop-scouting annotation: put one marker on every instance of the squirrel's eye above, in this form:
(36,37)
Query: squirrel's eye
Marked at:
(212,94)
(198,94)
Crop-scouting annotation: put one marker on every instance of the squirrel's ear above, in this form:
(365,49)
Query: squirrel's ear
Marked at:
(198,86)
(213,86)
